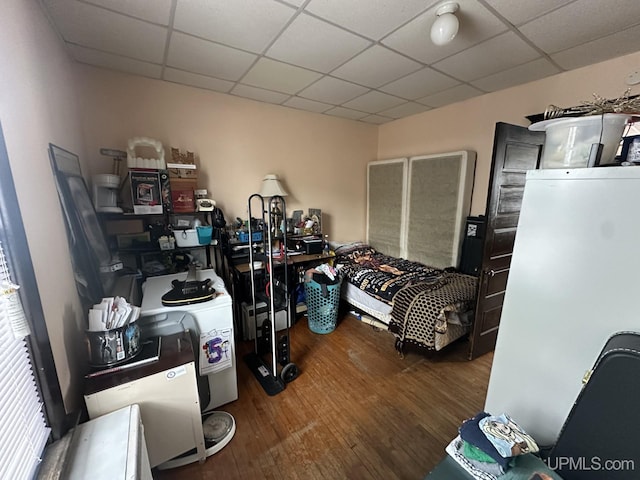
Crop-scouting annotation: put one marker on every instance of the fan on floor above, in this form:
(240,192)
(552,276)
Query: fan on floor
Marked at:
(218,428)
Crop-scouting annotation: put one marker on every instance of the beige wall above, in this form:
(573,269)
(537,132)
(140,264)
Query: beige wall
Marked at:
(470,125)
(37,106)
(321,159)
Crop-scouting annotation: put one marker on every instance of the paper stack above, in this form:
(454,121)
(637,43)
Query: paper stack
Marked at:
(110,313)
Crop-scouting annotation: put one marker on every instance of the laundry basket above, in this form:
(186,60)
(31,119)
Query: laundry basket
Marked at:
(323,298)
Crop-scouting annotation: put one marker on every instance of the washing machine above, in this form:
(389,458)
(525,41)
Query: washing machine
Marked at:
(210,324)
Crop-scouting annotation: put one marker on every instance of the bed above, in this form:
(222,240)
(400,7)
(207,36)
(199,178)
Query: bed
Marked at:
(424,307)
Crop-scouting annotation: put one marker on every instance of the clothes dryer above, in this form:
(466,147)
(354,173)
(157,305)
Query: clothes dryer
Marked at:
(211,327)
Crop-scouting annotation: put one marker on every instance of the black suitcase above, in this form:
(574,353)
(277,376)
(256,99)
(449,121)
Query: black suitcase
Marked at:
(600,438)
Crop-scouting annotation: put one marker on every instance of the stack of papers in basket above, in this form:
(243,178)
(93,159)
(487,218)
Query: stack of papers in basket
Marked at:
(112,312)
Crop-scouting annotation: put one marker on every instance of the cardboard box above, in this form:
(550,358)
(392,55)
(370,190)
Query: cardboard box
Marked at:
(145,191)
(118,227)
(182,165)
(134,240)
(182,195)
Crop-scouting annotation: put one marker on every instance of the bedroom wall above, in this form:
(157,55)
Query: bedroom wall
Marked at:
(37,106)
(470,125)
(320,159)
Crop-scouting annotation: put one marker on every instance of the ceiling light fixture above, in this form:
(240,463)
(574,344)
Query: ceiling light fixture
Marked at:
(445,28)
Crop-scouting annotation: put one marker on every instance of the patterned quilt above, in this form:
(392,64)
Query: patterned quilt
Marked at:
(380,275)
(430,307)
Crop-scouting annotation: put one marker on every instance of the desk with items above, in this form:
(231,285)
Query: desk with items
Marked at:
(297,262)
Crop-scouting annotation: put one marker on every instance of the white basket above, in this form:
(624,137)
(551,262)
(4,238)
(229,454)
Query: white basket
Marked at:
(186,238)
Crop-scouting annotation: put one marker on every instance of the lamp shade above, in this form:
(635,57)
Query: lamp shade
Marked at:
(445,28)
(271,186)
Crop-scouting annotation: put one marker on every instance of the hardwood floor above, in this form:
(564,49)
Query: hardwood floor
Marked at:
(357,411)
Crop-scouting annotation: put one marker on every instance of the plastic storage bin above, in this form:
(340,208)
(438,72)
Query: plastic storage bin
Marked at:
(323,299)
(205,233)
(186,238)
(244,236)
(568,142)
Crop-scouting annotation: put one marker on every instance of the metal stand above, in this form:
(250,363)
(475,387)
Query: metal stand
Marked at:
(270,360)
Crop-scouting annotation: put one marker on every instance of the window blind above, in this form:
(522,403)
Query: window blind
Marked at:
(23,429)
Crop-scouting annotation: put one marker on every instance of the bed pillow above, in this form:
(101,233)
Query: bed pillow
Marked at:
(350,248)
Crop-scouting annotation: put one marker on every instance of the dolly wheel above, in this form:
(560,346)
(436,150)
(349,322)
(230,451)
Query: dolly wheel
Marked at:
(289,372)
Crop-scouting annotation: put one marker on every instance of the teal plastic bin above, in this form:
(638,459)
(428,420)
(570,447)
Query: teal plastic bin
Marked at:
(323,300)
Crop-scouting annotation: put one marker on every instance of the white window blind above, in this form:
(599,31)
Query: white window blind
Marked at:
(23,429)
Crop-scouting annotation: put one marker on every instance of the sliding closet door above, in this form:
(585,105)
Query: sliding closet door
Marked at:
(387,180)
(439,200)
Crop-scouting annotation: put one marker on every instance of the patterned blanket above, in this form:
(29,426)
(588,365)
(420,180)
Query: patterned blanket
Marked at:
(430,307)
(430,316)
(381,276)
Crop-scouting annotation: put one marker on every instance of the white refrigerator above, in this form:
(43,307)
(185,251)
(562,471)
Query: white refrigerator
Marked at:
(574,281)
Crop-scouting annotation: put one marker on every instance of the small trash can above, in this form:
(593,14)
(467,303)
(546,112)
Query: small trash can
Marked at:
(323,299)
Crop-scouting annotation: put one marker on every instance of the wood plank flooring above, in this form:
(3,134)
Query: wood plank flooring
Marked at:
(357,411)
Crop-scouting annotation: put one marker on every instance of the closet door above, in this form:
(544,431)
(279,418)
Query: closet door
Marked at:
(386,180)
(438,202)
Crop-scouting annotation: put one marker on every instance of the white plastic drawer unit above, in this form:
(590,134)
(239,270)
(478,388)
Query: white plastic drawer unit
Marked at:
(109,447)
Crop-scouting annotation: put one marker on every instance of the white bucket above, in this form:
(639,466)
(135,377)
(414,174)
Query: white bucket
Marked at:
(569,140)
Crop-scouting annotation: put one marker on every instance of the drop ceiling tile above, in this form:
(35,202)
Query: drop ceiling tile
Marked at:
(376,66)
(114,62)
(618,44)
(419,84)
(94,27)
(376,119)
(453,95)
(373,102)
(278,76)
(259,94)
(525,73)
(361,18)
(520,12)
(489,57)
(346,113)
(195,80)
(246,24)
(332,90)
(312,43)
(207,58)
(580,22)
(309,105)
(157,11)
(405,110)
(476,24)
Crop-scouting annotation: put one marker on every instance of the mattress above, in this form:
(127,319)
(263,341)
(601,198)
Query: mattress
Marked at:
(423,306)
(368,304)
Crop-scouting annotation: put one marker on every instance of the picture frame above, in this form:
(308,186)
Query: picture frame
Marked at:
(315,214)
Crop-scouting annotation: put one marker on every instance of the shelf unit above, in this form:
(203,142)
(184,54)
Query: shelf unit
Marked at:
(143,230)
